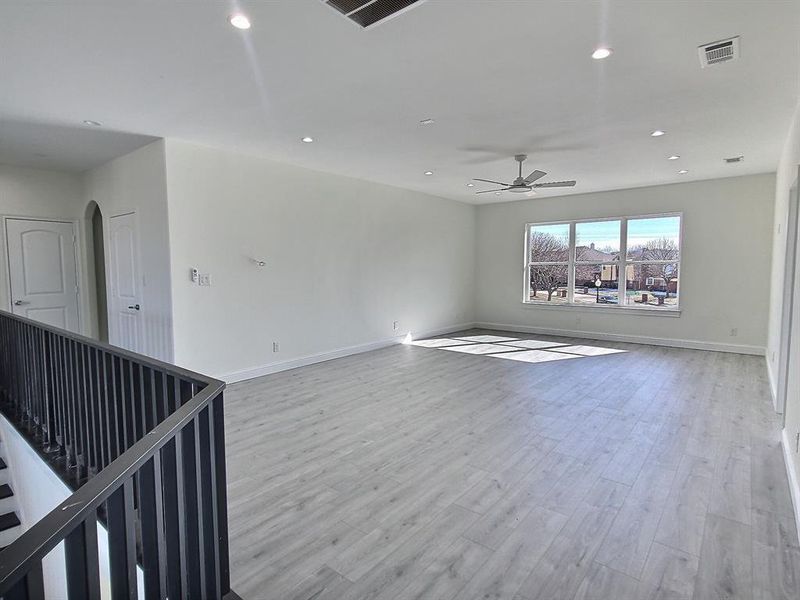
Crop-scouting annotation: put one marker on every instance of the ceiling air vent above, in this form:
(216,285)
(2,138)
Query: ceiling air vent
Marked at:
(734,159)
(370,12)
(719,52)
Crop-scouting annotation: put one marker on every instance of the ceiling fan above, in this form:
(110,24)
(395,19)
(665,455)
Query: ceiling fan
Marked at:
(527,184)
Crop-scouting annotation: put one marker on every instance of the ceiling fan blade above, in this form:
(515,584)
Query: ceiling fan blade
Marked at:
(537,174)
(489,191)
(490,181)
(554,184)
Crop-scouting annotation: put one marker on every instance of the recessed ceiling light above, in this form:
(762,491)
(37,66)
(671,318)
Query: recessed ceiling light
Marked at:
(240,21)
(658,133)
(602,53)
(307,140)
(470,185)
(92,123)
(497,193)
(683,171)
(673,157)
(427,122)
(428,173)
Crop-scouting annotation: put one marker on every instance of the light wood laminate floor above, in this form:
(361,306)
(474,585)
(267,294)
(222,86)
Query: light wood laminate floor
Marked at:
(524,468)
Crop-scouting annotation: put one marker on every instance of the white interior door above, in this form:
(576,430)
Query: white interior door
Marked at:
(43,273)
(125,303)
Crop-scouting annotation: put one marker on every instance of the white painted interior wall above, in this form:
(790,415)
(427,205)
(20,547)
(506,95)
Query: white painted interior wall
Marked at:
(725,268)
(38,491)
(344,259)
(785,178)
(137,182)
(42,194)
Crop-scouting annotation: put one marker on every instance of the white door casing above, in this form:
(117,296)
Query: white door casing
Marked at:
(125,302)
(791,302)
(43,274)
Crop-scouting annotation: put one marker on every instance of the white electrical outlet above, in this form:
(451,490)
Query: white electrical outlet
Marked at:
(275,347)
(193,274)
(395,325)
(204,279)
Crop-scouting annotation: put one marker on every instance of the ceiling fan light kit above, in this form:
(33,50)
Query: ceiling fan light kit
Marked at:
(525,185)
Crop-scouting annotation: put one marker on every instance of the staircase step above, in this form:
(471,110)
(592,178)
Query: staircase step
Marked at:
(5,491)
(8,520)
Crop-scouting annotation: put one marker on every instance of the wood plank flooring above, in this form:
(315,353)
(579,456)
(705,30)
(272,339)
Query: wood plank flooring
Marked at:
(488,465)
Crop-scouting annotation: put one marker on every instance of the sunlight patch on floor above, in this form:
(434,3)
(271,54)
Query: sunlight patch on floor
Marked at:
(587,350)
(533,344)
(481,348)
(518,349)
(534,356)
(439,343)
(488,339)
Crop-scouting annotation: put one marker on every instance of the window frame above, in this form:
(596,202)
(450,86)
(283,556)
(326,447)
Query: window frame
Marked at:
(622,263)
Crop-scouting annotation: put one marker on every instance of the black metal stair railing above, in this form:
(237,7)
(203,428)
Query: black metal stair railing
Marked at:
(142,442)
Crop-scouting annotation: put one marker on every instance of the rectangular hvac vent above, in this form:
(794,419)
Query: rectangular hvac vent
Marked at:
(370,12)
(734,159)
(347,6)
(718,52)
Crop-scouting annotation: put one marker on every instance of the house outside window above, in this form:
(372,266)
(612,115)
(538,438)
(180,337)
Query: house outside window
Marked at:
(623,262)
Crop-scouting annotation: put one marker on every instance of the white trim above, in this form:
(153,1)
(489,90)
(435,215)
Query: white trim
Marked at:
(791,472)
(787,298)
(773,389)
(572,263)
(311,359)
(632,339)
(607,308)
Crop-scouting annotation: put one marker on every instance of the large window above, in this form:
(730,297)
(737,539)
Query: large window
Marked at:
(628,262)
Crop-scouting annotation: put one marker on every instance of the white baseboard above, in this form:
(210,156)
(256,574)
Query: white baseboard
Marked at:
(791,471)
(302,361)
(311,359)
(632,339)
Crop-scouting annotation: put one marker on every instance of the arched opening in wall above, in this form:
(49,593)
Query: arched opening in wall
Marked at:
(94,217)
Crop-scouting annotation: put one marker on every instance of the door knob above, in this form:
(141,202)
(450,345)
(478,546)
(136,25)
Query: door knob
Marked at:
(134,307)
(19,302)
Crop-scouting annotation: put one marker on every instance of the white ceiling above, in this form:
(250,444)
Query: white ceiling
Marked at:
(500,77)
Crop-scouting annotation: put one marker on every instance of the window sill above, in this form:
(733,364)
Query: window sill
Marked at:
(627,310)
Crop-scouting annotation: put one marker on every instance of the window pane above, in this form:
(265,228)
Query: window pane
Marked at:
(549,243)
(548,283)
(651,285)
(586,292)
(597,242)
(654,239)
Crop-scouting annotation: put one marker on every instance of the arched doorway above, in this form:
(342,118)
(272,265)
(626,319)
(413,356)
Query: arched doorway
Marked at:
(94,219)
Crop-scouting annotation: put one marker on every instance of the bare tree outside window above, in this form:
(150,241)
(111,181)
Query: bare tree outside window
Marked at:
(662,249)
(547,247)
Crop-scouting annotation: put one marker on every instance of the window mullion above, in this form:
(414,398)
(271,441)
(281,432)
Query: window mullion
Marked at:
(622,264)
(571,268)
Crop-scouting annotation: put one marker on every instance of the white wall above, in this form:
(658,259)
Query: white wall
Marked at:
(48,195)
(727,239)
(38,491)
(137,182)
(345,258)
